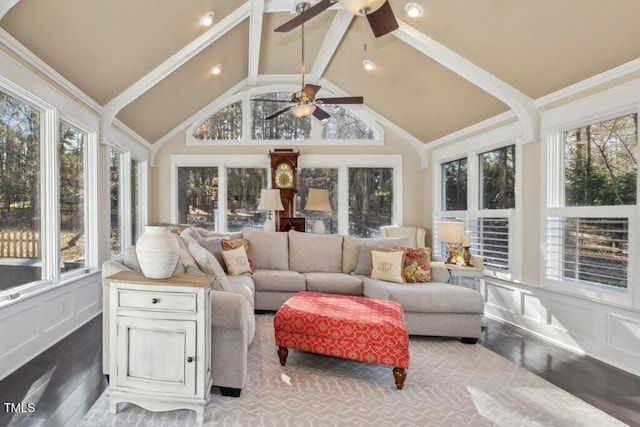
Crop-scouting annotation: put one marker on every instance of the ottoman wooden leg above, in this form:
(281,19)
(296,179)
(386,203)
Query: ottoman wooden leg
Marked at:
(399,374)
(282,354)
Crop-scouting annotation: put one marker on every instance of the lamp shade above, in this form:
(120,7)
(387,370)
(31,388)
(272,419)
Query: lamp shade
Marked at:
(450,232)
(270,200)
(318,200)
(303,110)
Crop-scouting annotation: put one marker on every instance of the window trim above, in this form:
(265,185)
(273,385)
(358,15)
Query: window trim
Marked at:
(609,104)
(245,98)
(340,162)
(488,141)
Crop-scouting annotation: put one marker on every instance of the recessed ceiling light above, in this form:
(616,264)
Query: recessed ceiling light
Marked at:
(207,19)
(217,69)
(368,65)
(414,10)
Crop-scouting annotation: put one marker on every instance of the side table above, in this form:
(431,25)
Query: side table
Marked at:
(160,342)
(458,271)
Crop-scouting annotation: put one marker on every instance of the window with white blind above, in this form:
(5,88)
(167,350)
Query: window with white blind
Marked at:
(480,190)
(591,203)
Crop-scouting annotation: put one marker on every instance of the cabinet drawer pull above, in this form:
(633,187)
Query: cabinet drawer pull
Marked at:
(189,359)
(155,300)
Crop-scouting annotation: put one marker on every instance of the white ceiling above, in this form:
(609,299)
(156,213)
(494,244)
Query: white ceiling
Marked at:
(147,62)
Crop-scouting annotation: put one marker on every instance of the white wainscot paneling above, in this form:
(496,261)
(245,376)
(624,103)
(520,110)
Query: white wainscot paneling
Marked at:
(623,333)
(501,301)
(18,330)
(572,319)
(88,297)
(56,311)
(532,308)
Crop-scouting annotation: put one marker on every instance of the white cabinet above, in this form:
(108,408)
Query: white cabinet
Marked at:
(160,338)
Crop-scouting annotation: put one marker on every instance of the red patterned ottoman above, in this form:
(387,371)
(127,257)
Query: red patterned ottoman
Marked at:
(357,328)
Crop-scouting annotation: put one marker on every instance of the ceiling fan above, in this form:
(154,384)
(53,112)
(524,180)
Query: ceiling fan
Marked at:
(378,12)
(304,103)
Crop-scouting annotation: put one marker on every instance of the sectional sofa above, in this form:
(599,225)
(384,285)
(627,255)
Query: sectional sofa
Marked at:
(283,264)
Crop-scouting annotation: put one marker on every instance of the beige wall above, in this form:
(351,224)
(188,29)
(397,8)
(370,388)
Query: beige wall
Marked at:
(413,176)
(531,179)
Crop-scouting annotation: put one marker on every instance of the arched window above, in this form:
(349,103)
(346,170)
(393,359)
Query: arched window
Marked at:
(245,120)
(225,124)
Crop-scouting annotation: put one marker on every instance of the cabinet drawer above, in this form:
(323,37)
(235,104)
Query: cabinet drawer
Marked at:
(159,301)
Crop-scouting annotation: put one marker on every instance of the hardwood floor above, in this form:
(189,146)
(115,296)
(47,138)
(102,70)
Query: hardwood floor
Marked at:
(64,381)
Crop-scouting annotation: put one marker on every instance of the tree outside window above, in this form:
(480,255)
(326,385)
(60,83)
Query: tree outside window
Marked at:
(243,195)
(498,177)
(370,200)
(115,168)
(20,250)
(454,182)
(71,153)
(198,196)
(226,124)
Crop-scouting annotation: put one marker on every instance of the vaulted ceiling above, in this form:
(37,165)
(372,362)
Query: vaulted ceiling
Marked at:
(147,62)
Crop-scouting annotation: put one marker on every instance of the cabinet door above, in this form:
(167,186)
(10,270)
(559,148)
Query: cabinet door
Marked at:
(156,355)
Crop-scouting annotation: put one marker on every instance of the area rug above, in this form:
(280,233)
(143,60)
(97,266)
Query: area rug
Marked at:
(448,384)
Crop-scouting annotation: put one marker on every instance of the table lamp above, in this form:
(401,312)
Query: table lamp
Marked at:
(270,201)
(318,200)
(451,233)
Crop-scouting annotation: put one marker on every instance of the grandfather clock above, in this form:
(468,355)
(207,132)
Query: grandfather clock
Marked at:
(284,176)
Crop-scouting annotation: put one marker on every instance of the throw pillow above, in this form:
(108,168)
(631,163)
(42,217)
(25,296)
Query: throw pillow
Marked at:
(229,244)
(209,265)
(131,258)
(237,261)
(387,265)
(214,246)
(417,265)
(363,265)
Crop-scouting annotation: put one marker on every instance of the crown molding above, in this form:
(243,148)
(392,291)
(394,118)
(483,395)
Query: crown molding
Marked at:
(6,6)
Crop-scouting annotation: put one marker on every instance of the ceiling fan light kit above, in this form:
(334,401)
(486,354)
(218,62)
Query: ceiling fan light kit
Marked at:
(303,110)
(361,7)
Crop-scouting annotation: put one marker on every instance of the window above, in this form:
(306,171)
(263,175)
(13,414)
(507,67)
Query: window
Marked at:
(480,190)
(198,196)
(226,124)
(587,225)
(20,143)
(344,125)
(454,182)
(284,126)
(72,145)
(115,167)
(498,177)
(243,195)
(324,178)
(244,120)
(370,200)
(136,226)
(221,192)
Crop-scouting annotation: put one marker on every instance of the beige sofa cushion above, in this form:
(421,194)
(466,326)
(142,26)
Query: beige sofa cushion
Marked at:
(363,266)
(268,250)
(278,281)
(315,252)
(209,265)
(334,283)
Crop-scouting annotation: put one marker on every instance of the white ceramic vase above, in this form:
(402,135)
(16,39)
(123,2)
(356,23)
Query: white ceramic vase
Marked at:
(157,250)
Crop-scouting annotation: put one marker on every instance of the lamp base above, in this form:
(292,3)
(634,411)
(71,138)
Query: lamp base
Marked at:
(318,227)
(269,225)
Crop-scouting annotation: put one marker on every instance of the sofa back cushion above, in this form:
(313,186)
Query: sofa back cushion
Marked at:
(268,250)
(320,253)
(363,261)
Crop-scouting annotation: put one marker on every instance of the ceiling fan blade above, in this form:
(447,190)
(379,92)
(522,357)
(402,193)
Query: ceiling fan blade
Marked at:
(341,100)
(276,114)
(382,21)
(320,114)
(305,16)
(310,90)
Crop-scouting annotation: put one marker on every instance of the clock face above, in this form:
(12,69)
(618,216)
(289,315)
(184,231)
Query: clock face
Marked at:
(284,176)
